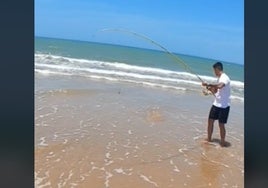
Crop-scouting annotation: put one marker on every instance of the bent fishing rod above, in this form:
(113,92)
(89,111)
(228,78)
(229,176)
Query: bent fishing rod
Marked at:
(176,58)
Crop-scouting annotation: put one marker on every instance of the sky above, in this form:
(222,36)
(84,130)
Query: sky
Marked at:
(204,28)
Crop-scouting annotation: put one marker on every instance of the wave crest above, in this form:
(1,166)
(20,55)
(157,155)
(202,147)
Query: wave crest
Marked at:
(117,71)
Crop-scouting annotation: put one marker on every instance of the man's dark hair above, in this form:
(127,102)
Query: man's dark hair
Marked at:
(218,66)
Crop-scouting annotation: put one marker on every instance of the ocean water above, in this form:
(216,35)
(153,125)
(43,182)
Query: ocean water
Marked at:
(115,63)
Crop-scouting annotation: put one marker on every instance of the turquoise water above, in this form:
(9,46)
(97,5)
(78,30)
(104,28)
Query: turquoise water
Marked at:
(135,65)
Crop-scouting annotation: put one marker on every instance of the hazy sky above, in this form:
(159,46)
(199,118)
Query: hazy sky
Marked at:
(205,28)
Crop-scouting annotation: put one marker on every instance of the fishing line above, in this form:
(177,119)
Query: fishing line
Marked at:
(174,57)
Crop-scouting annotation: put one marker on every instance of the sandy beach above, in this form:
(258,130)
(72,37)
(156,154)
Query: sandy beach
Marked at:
(93,133)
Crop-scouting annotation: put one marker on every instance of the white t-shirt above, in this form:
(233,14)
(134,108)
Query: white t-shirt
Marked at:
(222,99)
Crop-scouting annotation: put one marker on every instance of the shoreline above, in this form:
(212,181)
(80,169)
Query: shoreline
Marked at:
(116,134)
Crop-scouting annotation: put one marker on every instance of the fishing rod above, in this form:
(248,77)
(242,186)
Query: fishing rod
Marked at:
(176,58)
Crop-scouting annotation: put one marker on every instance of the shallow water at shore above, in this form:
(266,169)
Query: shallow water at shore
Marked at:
(101,134)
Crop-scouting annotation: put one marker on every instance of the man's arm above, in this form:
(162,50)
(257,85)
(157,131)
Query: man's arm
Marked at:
(213,87)
(216,86)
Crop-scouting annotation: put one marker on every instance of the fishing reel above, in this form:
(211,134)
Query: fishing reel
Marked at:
(206,92)
(209,91)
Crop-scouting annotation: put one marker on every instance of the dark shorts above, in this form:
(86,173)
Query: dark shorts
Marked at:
(219,113)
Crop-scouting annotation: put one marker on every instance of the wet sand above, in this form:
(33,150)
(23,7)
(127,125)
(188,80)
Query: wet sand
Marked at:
(102,134)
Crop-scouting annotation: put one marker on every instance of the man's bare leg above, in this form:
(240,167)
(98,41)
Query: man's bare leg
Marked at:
(210,129)
(222,133)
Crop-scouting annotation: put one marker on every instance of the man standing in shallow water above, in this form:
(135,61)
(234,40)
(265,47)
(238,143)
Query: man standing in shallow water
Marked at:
(221,105)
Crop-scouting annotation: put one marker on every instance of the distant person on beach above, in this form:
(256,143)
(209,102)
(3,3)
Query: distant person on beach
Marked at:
(221,105)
